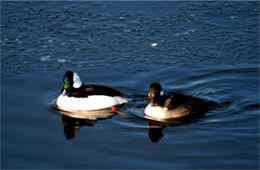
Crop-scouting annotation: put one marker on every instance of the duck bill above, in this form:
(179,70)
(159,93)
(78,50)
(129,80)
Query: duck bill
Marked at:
(65,85)
(152,102)
(64,92)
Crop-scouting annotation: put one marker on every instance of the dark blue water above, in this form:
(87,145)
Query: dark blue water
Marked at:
(205,49)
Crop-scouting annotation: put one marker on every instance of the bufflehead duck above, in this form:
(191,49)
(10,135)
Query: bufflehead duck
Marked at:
(76,96)
(173,105)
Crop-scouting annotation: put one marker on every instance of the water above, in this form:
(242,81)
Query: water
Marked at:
(205,49)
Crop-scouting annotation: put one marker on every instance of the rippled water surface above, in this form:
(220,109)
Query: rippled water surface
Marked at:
(205,49)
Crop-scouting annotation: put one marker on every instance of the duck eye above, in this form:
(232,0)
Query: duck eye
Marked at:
(66,84)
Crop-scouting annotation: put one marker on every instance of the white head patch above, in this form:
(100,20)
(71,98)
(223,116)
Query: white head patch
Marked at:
(161,93)
(76,80)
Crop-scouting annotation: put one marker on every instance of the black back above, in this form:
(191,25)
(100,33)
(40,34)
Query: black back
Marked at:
(86,90)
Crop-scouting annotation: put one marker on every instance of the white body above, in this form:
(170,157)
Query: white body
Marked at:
(155,111)
(94,102)
(159,112)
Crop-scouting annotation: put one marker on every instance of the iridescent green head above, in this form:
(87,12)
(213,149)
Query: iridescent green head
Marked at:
(71,81)
(66,84)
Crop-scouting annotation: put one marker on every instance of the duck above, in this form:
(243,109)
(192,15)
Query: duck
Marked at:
(77,96)
(173,105)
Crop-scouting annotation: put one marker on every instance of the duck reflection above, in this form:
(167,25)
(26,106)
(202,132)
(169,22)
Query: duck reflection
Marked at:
(156,127)
(155,131)
(73,121)
(72,125)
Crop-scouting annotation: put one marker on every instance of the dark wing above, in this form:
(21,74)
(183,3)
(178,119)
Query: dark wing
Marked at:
(197,105)
(174,100)
(101,90)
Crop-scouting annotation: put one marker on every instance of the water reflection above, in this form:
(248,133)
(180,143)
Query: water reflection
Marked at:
(89,115)
(155,132)
(156,126)
(72,125)
(73,121)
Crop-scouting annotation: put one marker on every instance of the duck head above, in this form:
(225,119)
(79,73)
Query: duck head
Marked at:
(155,91)
(71,81)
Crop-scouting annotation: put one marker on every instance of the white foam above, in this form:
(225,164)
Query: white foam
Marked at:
(154,44)
(46,58)
(61,60)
